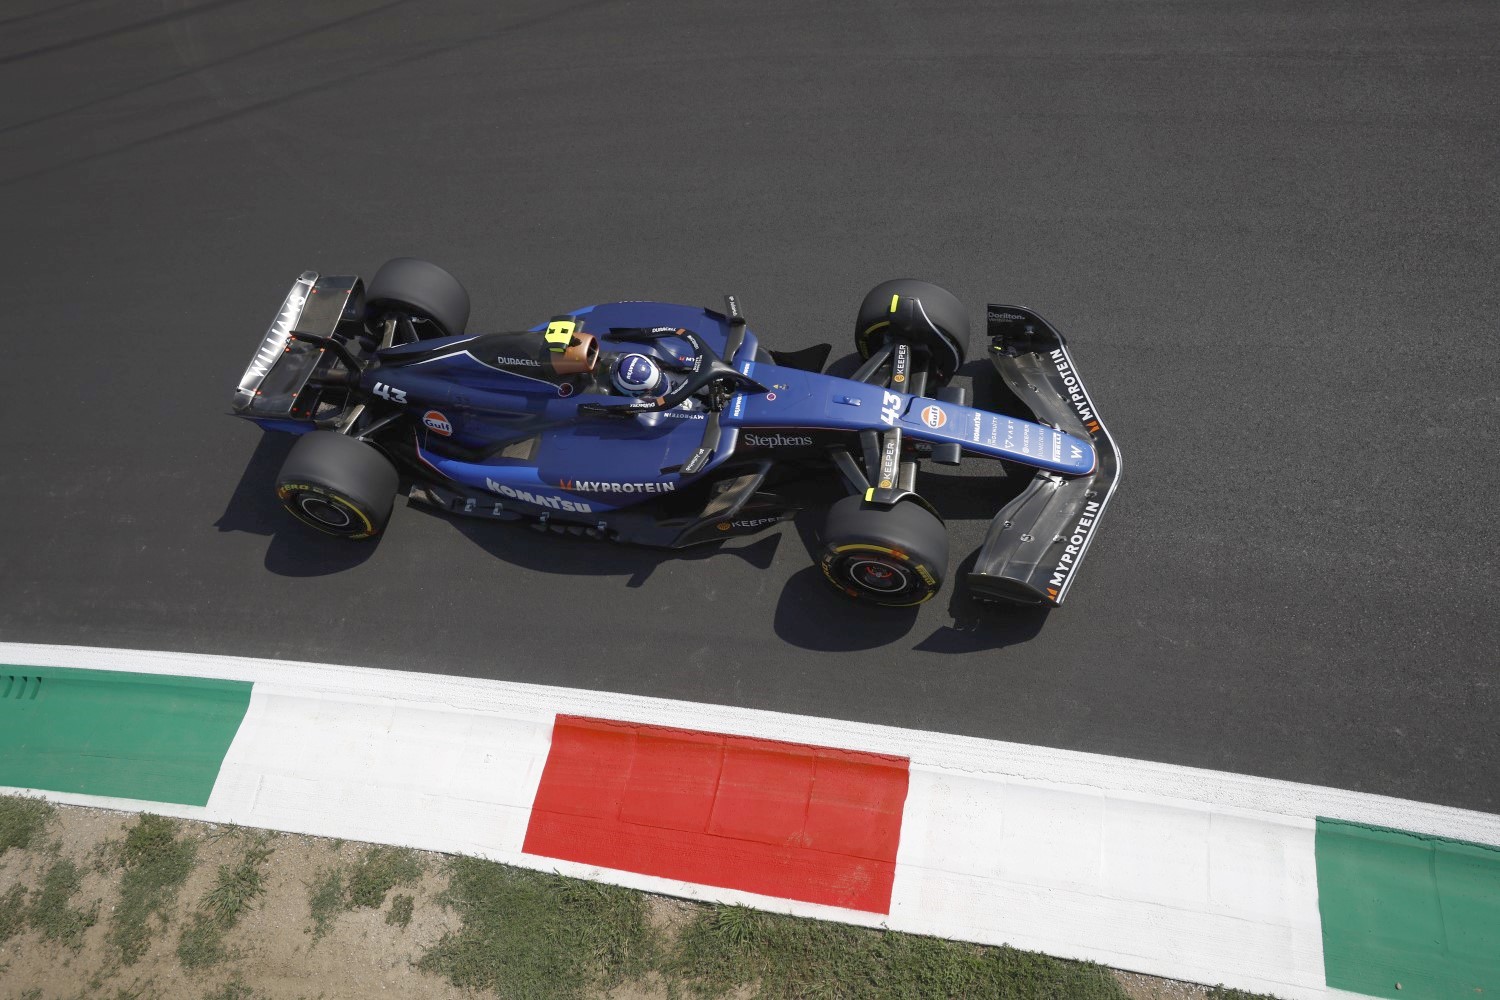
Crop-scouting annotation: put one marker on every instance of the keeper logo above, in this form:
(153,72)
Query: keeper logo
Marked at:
(751,522)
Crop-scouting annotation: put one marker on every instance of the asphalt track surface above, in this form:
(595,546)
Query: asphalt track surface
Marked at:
(1269,230)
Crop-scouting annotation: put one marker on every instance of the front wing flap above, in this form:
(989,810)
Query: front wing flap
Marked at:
(1037,541)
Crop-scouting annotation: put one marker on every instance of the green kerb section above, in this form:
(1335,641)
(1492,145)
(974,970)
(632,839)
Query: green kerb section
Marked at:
(1401,908)
(98,732)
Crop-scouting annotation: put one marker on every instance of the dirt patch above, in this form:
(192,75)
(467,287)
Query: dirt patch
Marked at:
(270,951)
(1140,987)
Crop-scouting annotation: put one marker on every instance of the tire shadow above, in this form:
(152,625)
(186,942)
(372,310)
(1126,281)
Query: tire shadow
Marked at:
(295,549)
(981,625)
(813,615)
(253,506)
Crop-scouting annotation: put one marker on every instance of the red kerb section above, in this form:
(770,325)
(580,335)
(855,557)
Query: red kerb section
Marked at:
(801,822)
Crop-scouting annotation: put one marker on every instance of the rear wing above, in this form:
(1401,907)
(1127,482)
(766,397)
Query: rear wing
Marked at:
(278,373)
(1037,541)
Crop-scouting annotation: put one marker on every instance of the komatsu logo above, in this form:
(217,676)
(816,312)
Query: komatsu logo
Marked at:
(1073,551)
(580,486)
(276,337)
(778,440)
(540,499)
(1074,388)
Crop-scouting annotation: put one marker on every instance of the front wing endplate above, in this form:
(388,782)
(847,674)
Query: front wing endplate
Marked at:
(1035,544)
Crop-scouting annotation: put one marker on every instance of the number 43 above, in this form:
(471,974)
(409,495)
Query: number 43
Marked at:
(890,408)
(389,393)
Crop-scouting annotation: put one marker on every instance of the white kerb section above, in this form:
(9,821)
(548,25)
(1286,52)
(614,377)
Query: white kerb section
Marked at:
(1181,889)
(392,772)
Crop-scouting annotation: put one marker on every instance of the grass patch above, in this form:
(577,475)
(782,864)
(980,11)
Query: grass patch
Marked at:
(51,913)
(22,820)
(12,914)
(156,864)
(235,888)
(235,989)
(726,947)
(364,883)
(202,943)
(377,872)
(325,900)
(535,935)
(401,911)
(540,936)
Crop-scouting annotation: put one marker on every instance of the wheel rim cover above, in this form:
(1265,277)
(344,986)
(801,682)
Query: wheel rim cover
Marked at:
(326,513)
(878,576)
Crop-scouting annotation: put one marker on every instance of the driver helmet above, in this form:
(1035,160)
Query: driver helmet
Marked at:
(638,375)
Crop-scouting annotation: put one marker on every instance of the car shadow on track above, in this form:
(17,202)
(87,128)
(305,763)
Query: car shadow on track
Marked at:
(804,611)
(295,549)
(531,547)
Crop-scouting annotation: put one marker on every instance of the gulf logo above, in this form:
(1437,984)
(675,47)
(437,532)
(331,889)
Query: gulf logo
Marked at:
(437,423)
(934,417)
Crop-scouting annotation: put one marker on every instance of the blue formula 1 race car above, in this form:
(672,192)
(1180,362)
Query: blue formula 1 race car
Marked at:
(670,425)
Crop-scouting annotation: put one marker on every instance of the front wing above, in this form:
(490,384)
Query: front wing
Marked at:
(1037,541)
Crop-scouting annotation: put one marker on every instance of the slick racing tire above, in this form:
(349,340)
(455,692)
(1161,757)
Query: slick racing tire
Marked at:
(433,298)
(338,485)
(892,556)
(945,339)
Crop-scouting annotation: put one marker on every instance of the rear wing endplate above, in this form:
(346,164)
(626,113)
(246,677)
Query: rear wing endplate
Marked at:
(1035,544)
(281,365)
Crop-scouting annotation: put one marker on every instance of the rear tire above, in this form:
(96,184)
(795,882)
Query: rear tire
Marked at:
(891,556)
(433,298)
(946,346)
(338,485)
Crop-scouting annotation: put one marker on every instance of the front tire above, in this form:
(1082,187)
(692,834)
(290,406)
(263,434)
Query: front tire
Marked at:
(338,485)
(892,556)
(939,328)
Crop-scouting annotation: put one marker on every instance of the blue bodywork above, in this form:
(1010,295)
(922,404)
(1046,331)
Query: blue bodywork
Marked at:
(587,464)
